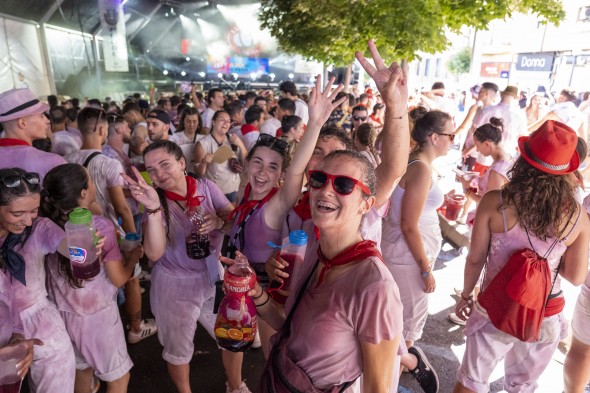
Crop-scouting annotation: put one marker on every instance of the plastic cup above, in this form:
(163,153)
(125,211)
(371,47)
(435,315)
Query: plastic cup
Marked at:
(454,205)
(10,381)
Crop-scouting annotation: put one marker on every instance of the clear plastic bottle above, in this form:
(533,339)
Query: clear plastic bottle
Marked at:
(197,244)
(81,239)
(293,252)
(235,327)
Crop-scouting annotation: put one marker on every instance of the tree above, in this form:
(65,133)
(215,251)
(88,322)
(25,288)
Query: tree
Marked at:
(459,63)
(331,30)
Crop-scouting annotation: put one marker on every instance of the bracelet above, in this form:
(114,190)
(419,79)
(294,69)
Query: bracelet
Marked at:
(400,117)
(259,296)
(153,211)
(266,301)
(468,299)
(427,272)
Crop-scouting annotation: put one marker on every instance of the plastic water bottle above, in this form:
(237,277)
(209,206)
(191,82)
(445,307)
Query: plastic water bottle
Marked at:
(293,252)
(81,241)
(235,327)
(197,244)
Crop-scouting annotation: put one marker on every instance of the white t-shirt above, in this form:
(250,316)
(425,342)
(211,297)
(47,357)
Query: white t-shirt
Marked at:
(207,117)
(106,173)
(302,110)
(64,143)
(270,126)
(569,114)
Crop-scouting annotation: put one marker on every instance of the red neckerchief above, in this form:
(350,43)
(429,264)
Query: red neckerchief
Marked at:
(12,142)
(190,198)
(247,128)
(375,119)
(357,252)
(303,211)
(246,205)
(279,132)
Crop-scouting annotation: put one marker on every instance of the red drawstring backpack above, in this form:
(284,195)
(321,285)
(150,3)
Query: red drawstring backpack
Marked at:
(518,298)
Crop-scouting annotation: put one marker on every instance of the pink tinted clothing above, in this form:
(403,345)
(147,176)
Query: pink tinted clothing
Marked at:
(364,306)
(524,362)
(64,143)
(11,322)
(501,167)
(30,159)
(44,239)
(97,293)
(256,236)
(106,173)
(175,260)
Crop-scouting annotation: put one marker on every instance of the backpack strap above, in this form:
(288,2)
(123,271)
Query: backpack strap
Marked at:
(89,158)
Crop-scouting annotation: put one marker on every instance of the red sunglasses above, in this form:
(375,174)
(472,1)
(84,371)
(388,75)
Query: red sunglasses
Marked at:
(343,185)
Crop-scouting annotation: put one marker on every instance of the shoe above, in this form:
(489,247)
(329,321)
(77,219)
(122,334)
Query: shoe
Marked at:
(424,373)
(456,320)
(242,389)
(95,385)
(257,344)
(147,328)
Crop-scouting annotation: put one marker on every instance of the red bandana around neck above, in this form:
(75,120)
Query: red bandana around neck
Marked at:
(247,128)
(357,252)
(246,206)
(191,189)
(303,211)
(12,142)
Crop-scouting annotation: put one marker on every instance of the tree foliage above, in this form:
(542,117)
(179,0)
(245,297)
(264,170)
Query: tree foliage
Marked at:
(331,30)
(460,62)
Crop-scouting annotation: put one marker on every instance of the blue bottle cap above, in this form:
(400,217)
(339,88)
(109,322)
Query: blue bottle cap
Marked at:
(132,237)
(298,238)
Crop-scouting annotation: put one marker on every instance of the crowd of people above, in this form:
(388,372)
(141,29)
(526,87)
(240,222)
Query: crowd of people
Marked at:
(358,174)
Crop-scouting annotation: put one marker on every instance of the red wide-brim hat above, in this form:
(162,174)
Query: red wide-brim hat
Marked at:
(551,149)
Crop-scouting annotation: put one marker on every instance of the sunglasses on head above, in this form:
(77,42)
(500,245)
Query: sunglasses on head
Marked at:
(12,181)
(101,113)
(272,142)
(359,118)
(343,185)
(114,118)
(451,136)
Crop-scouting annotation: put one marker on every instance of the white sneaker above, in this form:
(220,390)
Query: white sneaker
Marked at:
(456,320)
(257,344)
(242,389)
(147,328)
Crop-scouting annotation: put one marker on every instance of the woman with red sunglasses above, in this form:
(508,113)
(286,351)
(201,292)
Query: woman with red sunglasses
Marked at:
(411,237)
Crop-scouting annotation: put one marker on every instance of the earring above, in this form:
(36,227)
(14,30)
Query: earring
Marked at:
(185,173)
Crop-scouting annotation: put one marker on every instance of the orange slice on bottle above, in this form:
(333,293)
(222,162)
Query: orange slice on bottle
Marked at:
(235,334)
(221,333)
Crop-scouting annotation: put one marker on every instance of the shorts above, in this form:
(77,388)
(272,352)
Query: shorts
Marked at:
(99,342)
(178,303)
(523,362)
(54,366)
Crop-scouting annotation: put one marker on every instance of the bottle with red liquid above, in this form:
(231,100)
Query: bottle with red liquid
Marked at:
(293,252)
(81,239)
(197,244)
(235,327)
(10,356)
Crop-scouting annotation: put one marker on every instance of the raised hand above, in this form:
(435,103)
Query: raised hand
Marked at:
(390,81)
(141,191)
(321,103)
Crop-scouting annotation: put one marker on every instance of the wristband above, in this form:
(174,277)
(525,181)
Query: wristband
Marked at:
(467,299)
(400,117)
(426,273)
(266,301)
(259,296)
(153,211)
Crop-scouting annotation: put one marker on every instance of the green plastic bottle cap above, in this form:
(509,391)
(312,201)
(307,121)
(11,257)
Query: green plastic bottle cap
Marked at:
(80,216)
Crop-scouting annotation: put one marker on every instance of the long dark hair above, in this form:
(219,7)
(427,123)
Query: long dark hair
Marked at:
(185,113)
(542,201)
(174,150)
(60,195)
(8,194)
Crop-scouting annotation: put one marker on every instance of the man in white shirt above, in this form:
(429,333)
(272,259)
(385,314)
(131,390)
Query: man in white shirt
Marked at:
(285,107)
(564,111)
(289,91)
(215,100)
(62,142)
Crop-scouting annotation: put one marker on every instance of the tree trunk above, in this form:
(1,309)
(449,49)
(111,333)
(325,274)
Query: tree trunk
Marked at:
(347,76)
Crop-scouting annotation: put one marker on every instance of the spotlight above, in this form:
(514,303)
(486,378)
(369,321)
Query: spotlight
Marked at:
(272,77)
(166,14)
(202,74)
(291,76)
(220,75)
(182,73)
(235,76)
(147,51)
(165,72)
(253,76)
(188,58)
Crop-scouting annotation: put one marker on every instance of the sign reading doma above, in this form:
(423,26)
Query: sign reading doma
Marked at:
(535,62)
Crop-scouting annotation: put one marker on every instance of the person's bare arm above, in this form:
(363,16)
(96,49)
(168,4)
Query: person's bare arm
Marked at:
(574,267)
(122,209)
(378,361)
(392,85)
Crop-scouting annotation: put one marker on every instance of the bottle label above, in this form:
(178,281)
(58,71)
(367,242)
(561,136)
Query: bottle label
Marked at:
(77,255)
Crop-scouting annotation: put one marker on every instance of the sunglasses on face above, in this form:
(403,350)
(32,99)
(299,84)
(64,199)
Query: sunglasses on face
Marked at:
(12,181)
(451,136)
(272,142)
(359,118)
(343,185)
